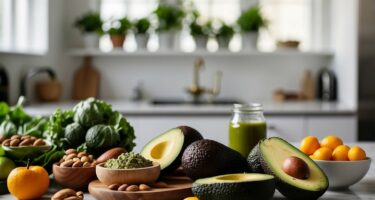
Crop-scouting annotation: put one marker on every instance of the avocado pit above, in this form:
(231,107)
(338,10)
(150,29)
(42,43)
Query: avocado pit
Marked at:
(296,167)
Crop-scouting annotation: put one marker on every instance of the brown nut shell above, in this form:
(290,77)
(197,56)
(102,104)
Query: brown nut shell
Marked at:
(14,142)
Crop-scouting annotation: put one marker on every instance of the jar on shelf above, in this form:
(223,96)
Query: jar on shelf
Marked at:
(247,127)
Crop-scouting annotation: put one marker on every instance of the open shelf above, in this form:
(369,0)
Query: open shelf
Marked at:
(174,53)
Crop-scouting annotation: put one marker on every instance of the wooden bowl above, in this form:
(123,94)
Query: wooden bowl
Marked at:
(77,178)
(128,176)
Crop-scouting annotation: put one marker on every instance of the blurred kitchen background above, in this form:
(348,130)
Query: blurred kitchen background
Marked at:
(164,63)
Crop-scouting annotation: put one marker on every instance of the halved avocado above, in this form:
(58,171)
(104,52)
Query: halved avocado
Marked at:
(236,187)
(167,148)
(271,154)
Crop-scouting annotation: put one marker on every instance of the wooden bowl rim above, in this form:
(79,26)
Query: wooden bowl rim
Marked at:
(154,165)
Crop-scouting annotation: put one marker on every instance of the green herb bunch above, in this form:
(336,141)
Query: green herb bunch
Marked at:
(122,27)
(141,26)
(169,17)
(90,23)
(251,20)
(225,31)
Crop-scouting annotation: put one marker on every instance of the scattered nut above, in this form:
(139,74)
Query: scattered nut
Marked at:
(39,142)
(25,137)
(76,159)
(81,154)
(26,142)
(86,164)
(64,193)
(144,187)
(77,164)
(6,142)
(113,186)
(80,194)
(15,137)
(71,156)
(70,151)
(122,187)
(67,163)
(132,188)
(14,142)
(84,159)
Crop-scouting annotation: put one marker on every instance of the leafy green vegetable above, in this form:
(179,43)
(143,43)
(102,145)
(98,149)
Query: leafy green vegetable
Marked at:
(7,129)
(125,130)
(100,138)
(35,127)
(75,135)
(91,112)
(56,126)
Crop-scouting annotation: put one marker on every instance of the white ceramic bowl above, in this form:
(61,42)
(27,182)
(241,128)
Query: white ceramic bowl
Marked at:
(342,174)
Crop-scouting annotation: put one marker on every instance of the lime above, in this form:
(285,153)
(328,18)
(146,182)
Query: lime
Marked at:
(6,166)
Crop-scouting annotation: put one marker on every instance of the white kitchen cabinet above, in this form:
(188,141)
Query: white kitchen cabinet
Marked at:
(344,127)
(147,127)
(290,128)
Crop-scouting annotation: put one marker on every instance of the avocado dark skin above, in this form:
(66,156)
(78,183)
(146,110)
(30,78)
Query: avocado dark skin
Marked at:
(253,161)
(207,158)
(190,135)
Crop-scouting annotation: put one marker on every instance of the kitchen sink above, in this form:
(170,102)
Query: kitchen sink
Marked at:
(185,102)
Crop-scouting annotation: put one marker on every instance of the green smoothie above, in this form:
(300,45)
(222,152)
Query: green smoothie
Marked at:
(243,136)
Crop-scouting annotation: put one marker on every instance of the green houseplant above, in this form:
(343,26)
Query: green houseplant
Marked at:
(201,33)
(118,32)
(224,35)
(249,22)
(141,28)
(90,24)
(170,21)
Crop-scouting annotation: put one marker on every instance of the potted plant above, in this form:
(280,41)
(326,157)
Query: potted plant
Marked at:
(200,33)
(170,22)
(118,32)
(224,35)
(90,25)
(250,22)
(141,28)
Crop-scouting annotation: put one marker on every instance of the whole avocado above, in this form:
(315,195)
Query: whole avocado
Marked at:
(100,138)
(207,158)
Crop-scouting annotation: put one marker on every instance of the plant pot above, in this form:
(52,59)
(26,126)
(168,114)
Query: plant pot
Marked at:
(142,40)
(201,42)
(223,42)
(167,40)
(117,41)
(91,40)
(250,41)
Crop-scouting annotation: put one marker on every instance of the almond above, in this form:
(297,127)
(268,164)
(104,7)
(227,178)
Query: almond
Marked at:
(113,186)
(26,142)
(71,151)
(67,163)
(39,142)
(14,142)
(132,188)
(64,193)
(122,187)
(112,153)
(144,187)
(6,142)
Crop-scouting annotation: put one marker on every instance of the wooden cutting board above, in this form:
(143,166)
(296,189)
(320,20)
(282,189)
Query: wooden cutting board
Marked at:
(178,188)
(86,81)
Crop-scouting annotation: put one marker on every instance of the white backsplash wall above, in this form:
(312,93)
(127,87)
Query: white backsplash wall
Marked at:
(247,78)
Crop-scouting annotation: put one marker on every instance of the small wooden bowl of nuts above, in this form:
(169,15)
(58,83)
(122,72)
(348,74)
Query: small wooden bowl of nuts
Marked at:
(75,170)
(25,146)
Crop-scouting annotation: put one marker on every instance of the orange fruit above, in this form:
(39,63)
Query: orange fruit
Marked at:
(309,145)
(356,153)
(341,153)
(29,182)
(331,142)
(191,198)
(323,153)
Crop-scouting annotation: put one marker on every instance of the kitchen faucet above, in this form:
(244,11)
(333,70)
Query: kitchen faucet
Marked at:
(196,90)
(31,73)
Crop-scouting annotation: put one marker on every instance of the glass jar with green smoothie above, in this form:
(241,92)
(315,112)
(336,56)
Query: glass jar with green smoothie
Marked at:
(246,127)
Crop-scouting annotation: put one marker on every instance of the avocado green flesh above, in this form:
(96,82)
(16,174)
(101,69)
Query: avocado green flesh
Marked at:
(235,187)
(235,178)
(276,150)
(165,148)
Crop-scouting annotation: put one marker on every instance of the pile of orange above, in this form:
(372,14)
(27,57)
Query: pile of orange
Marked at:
(331,148)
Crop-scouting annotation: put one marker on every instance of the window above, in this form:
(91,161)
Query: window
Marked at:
(288,19)
(23,26)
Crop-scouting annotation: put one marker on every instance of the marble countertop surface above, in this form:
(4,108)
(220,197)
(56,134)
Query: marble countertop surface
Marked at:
(363,190)
(146,108)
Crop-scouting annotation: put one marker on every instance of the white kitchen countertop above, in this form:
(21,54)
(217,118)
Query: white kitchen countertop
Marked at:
(146,108)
